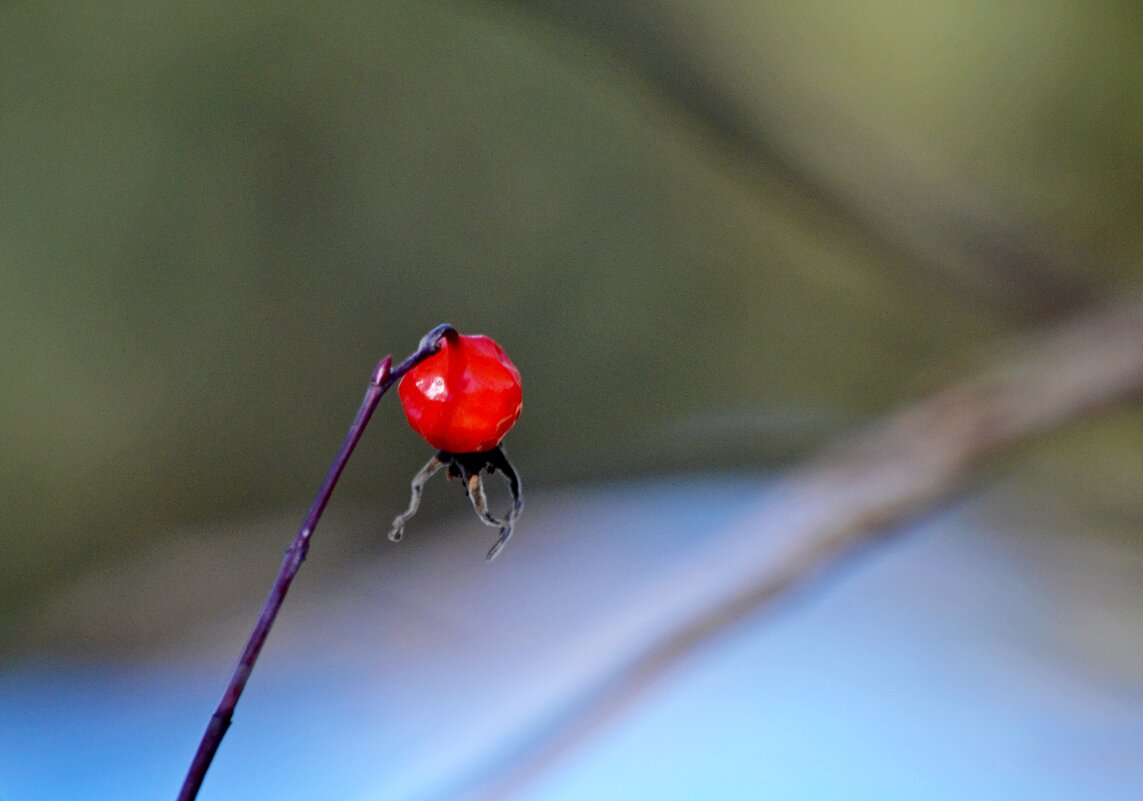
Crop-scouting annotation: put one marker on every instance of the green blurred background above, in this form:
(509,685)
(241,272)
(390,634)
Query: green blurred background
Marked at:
(711,235)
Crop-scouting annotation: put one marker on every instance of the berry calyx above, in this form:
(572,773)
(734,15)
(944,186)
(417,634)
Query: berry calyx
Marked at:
(465,397)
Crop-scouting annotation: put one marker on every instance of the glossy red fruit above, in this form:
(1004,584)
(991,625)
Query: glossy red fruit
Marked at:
(465,397)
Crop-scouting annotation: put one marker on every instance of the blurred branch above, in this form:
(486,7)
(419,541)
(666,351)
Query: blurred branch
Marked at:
(861,490)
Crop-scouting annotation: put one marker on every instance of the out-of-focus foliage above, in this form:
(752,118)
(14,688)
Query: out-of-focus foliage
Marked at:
(708,236)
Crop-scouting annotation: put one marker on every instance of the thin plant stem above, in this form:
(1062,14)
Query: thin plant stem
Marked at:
(383,377)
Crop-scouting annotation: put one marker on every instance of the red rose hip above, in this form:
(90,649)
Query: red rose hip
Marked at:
(464,398)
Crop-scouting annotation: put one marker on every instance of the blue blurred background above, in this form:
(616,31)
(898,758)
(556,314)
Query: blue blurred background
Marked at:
(712,237)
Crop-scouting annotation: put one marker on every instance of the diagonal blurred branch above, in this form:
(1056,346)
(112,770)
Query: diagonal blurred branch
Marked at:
(859,491)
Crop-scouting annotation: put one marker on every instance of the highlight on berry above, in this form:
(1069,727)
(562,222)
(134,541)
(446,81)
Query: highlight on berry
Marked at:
(462,400)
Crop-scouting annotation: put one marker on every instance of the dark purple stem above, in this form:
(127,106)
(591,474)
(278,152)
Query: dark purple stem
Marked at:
(384,376)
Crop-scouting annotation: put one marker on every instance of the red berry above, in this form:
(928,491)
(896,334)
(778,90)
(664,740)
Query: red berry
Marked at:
(465,397)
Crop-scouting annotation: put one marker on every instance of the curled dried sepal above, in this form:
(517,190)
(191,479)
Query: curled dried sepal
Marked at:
(467,467)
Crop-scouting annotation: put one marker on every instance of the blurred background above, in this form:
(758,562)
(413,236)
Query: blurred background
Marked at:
(713,237)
